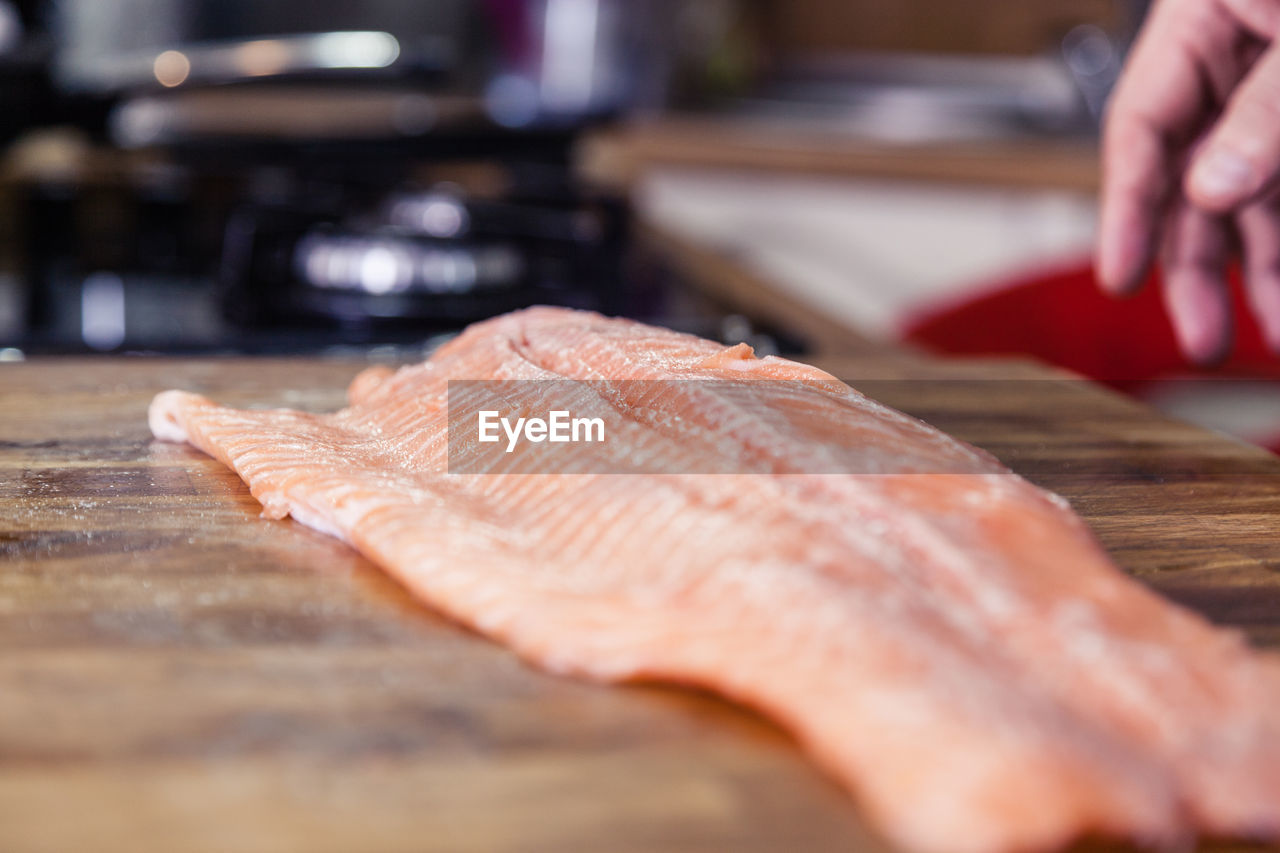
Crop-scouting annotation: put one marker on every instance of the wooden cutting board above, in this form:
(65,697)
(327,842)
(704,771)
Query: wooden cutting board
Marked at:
(177,673)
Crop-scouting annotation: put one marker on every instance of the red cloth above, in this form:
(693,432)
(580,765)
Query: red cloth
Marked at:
(1062,318)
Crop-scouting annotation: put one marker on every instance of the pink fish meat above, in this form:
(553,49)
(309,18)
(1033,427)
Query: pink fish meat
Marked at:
(944,638)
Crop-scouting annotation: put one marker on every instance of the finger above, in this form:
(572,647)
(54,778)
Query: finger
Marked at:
(1240,159)
(1259,227)
(1183,58)
(1259,17)
(1194,257)
(1136,187)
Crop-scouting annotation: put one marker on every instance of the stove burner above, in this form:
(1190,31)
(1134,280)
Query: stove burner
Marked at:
(327,258)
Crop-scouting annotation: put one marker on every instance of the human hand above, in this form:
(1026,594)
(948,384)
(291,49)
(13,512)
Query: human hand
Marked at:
(1191,167)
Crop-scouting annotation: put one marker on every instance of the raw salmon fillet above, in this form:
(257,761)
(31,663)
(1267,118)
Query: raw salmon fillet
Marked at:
(946,639)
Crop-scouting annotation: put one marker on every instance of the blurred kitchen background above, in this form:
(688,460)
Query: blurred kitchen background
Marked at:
(815,176)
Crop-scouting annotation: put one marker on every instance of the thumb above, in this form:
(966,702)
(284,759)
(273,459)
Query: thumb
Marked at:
(1241,155)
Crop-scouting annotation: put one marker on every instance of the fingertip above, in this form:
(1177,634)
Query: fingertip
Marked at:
(1114,284)
(1220,179)
(1203,345)
(1201,321)
(1118,269)
(1205,349)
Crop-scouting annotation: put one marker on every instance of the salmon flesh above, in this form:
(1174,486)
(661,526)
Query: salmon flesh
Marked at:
(944,638)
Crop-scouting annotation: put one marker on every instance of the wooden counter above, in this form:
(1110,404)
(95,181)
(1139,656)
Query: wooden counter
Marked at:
(617,157)
(177,673)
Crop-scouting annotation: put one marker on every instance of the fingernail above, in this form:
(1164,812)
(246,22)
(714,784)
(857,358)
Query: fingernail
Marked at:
(1222,174)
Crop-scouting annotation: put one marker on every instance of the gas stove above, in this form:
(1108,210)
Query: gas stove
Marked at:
(199,253)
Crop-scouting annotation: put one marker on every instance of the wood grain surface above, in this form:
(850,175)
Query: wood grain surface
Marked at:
(619,156)
(177,673)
